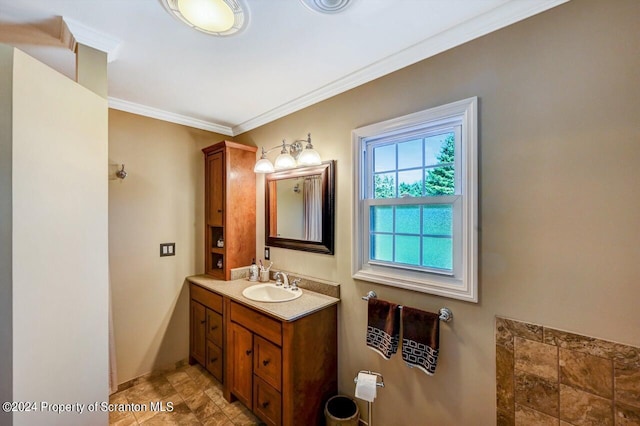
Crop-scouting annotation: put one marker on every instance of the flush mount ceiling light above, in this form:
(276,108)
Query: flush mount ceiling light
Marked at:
(215,17)
(327,6)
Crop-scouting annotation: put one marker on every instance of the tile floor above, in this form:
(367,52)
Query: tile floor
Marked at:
(196,396)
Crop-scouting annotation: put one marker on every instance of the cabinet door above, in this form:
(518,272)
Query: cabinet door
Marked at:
(242,359)
(215,180)
(198,332)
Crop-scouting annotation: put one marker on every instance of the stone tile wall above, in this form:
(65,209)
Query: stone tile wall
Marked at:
(546,376)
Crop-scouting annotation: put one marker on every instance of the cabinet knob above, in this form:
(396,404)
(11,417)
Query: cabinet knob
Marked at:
(265,404)
(219,211)
(214,359)
(248,351)
(213,327)
(203,321)
(266,362)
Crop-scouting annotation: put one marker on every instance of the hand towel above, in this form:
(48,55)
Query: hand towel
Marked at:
(420,339)
(383,327)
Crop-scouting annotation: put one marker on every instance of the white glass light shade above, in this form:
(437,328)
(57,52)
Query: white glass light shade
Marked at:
(263,166)
(309,157)
(284,161)
(209,15)
(214,17)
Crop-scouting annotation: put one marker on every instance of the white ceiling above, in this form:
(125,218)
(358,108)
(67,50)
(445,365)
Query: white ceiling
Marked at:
(287,58)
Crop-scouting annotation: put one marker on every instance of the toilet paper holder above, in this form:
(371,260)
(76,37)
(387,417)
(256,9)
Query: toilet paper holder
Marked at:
(379,383)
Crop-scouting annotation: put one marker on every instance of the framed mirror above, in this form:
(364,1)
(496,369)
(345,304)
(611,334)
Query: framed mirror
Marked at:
(299,208)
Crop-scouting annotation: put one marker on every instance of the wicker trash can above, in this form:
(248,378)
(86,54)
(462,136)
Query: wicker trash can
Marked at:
(341,410)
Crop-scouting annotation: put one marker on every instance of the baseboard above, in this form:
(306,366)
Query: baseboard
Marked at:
(157,372)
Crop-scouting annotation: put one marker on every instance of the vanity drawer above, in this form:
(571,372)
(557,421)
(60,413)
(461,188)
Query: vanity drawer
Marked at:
(267,362)
(214,360)
(258,323)
(214,327)
(207,298)
(267,402)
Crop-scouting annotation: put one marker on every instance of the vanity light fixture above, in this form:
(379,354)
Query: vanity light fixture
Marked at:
(215,17)
(291,155)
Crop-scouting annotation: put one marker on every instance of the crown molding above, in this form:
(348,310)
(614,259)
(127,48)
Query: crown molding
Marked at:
(493,20)
(74,32)
(500,17)
(171,117)
(66,38)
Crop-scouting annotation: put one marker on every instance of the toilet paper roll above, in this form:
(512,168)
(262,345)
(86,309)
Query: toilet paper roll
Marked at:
(366,387)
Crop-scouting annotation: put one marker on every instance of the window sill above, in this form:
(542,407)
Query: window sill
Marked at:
(439,286)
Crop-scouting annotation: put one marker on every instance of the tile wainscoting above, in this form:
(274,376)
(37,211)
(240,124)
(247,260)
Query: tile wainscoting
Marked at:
(546,376)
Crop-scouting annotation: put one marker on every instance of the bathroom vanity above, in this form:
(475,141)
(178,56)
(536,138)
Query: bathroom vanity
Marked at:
(278,359)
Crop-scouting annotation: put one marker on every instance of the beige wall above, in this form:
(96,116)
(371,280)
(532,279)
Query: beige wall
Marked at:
(6,224)
(559,198)
(59,243)
(91,69)
(160,201)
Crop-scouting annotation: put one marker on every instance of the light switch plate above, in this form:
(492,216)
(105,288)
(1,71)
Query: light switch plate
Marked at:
(267,253)
(167,249)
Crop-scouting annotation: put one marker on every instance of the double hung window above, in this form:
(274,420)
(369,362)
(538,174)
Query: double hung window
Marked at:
(416,201)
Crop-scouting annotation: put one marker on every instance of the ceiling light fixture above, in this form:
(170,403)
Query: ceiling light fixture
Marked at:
(215,17)
(294,156)
(327,6)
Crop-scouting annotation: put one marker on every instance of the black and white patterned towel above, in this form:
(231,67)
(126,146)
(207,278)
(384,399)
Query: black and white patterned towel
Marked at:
(383,327)
(420,339)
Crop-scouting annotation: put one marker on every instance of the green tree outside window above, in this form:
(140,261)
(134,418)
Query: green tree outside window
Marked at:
(440,180)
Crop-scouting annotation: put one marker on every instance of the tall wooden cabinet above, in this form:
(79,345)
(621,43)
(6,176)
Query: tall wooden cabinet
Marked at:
(230,207)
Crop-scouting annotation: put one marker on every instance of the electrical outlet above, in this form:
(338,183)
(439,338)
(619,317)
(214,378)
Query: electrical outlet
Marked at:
(167,249)
(267,253)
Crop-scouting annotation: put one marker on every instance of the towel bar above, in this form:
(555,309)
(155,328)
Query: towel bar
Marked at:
(445,313)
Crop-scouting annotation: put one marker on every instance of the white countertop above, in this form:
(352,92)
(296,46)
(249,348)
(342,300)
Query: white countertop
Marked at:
(304,305)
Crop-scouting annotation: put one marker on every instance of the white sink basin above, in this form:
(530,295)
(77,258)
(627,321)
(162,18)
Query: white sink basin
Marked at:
(270,293)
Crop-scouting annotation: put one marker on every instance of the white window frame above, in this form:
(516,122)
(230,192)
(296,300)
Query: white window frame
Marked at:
(463,282)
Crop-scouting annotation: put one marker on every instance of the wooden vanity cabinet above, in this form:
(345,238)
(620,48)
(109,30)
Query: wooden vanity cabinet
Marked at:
(206,330)
(230,207)
(283,371)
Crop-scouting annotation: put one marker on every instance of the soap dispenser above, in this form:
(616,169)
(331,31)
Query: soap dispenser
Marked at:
(253,271)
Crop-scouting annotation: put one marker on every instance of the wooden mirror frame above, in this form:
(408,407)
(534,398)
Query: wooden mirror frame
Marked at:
(327,172)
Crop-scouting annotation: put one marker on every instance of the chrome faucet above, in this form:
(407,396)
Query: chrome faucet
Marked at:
(282,275)
(294,284)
